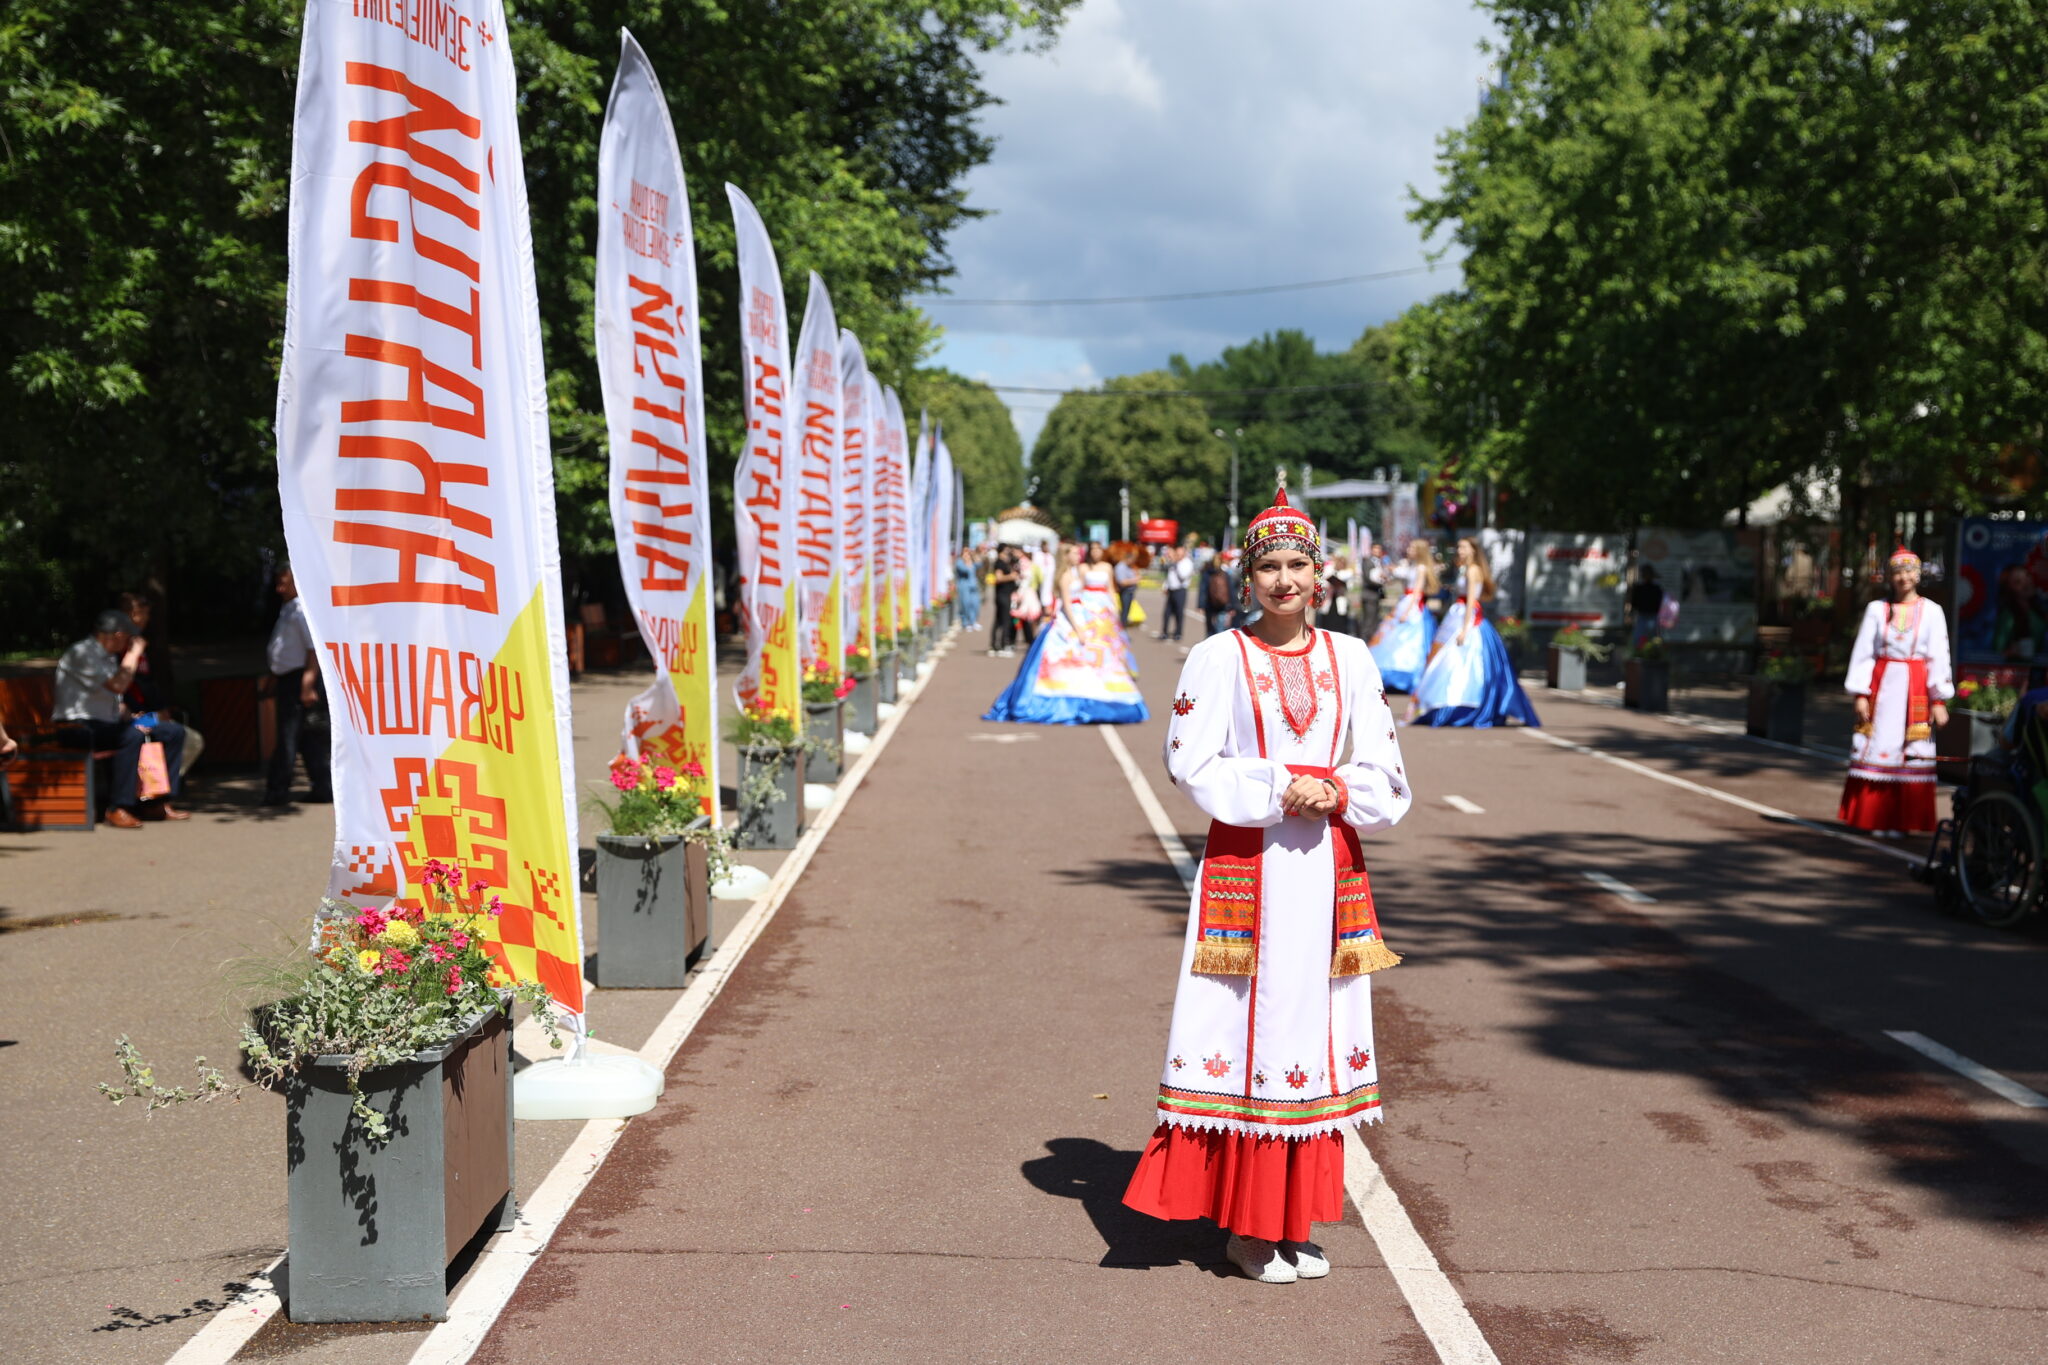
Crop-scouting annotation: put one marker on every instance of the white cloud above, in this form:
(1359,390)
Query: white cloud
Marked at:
(1172,145)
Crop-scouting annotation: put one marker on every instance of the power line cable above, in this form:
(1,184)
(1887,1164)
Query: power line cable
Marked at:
(1180,297)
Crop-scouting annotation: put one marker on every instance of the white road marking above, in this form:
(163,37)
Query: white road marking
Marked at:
(1755,807)
(489,1286)
(1461,805)
(1430,1294)
(1617,886)
(2003,1086)
(1001,739)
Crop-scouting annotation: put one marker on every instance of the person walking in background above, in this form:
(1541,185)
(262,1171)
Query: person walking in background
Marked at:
(1400,646)
(1645,605)
(1218,590)
(967,586)
(1126,575)
(1337,580)
(1470,680)
(1180,568)
(1002,586)
(92,677)
(301,703)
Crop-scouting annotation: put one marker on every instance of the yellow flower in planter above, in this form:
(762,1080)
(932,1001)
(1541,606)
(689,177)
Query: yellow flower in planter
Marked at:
(368,959)
(399,934)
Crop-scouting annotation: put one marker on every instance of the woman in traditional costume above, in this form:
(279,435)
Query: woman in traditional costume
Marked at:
(1270,1053)
(1899,675)
(1079,670)
(1470,679)
(1400,644)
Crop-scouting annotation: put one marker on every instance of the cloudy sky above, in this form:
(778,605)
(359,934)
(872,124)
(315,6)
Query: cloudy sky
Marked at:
(1167,146)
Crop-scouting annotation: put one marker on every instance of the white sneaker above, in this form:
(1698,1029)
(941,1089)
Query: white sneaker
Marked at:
(1308,1258)
(1261,1261)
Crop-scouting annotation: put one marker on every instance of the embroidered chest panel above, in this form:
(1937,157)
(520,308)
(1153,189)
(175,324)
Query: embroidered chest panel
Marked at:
(1295,694)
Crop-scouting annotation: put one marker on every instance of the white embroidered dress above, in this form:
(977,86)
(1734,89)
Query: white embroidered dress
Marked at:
(1287,1052)
(1883,752)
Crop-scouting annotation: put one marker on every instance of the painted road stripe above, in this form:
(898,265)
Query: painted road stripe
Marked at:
(2003,1086)
(488,1287)
(1755,807)
(1617,886)
(1460,804)
(1431,1296)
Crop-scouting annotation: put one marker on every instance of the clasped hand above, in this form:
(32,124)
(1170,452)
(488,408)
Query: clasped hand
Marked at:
(1310,796)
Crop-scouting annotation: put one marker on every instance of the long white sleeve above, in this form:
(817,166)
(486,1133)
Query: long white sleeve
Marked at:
(1201,749)
(1941,683)
(1863,658)
(1375,780)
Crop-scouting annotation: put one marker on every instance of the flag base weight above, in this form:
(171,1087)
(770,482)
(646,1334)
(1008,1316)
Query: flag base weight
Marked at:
(744,883)
(585,1087)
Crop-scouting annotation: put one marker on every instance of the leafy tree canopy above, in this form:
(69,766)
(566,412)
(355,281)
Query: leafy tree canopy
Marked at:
(1715,245)
(142,244)
(1148,431)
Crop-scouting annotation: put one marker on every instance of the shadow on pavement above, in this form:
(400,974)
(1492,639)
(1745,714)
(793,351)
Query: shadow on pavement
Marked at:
(1149,880)
(1097,1175)
(1620,987)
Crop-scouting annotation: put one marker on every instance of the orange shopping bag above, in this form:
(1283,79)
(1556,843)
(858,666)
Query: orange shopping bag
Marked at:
(152,775)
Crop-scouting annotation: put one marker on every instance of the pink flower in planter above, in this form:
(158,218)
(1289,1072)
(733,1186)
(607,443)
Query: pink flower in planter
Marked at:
(493,907)
(458,940)
(394,960)
(664,778)
(455,981)
(372,922)
(626,776)
(693,769)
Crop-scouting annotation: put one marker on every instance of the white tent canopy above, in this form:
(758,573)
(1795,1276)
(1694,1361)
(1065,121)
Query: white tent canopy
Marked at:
(1020,531)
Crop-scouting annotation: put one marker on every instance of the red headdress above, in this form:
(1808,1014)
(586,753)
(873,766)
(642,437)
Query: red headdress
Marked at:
(1903,558)
(1282,526)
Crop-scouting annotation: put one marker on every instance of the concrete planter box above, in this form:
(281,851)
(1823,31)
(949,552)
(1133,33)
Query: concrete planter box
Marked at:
(373,1227)
(652,911)
(1567,670)
(826,724)
(1647,685)
(1777,710)
(909,651)
(860,706)
(885,676)
(774,823)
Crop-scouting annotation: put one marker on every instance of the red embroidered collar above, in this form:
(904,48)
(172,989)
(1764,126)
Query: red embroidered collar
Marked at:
(1282,653)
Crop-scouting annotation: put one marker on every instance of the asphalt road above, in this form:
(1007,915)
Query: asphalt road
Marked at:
(1653,1118)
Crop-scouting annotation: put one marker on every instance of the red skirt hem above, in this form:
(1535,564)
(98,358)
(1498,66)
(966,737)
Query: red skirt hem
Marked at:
(1905,806)
(1265,1187)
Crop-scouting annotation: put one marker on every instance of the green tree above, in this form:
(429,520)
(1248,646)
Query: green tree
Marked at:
(1711,247)
(142,244)
(1149,432)
(981,436)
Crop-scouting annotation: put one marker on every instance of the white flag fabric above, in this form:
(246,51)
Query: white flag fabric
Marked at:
(650,360)
(921,518)
(856,552)
(882,593)
(416,479)
(897,502)
(813,458)
(942,518)
(771,682)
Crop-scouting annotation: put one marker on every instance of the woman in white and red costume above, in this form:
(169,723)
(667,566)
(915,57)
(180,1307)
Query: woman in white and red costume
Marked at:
(1270,1053)
(1899,675)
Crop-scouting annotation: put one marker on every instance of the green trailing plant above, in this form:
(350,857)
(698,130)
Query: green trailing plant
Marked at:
(1513,629)
(1653,650)
(1785,668)
(1575,639)
(1985,698)
(138,1082)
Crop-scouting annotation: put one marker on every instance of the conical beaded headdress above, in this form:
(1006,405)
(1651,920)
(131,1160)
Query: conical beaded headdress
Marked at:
(1282,526)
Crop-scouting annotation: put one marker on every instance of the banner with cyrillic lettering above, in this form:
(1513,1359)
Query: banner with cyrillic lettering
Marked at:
(882,595)
(813,455)
(855,474)
(415,474)
(920,519)
(770,683)
(901,604)
(942,518)
(650,361)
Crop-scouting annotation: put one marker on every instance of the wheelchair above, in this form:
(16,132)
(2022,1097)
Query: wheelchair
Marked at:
(1987,860)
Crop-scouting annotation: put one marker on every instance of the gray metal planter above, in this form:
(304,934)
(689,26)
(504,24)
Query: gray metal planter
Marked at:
(1567,672)
(885,675)
(373,1227)
(1777,710)
(776,821)
(860,705)
(652,912)
(1647,686)
(1985,729)
(826,724)
(909,649)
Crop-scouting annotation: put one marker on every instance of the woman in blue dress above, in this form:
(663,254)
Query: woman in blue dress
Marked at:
(1079,670)
(1470,680)
(1400,645)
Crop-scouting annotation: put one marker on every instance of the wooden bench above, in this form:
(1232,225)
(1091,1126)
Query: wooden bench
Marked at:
(49,785)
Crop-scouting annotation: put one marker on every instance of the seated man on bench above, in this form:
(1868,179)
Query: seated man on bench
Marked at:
(91,677)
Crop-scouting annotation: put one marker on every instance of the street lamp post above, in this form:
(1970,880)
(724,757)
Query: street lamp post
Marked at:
(1231,538)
